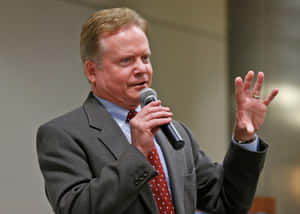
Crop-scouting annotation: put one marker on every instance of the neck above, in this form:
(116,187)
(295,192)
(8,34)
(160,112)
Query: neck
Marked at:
(128,106)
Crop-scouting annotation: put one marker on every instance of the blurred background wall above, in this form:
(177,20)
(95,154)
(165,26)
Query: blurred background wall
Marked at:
(42,77)
(265,36)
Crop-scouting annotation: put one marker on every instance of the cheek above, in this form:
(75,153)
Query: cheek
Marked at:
(150,71)
(123,76)
(120,83)
(123,80)
(150,75)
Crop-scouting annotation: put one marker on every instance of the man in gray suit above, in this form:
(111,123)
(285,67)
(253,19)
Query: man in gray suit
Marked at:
(95,161)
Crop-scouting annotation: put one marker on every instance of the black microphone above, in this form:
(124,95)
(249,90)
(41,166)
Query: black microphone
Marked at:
(149,95)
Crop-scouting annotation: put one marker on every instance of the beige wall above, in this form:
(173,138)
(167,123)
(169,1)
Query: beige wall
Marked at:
(40,67)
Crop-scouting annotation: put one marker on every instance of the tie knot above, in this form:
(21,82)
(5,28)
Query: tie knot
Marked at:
(130,115)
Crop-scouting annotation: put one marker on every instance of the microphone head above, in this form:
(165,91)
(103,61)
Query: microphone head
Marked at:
(147,95)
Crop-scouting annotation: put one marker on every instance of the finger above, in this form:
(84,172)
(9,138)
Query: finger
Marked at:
(153,103)
(155,123)
(238,89)
(271,96)
(157,115)
(258,84)
(165,108)
(248,82)
(145,113)
(152,109)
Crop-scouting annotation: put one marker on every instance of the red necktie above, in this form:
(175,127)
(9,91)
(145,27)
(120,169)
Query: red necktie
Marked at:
(130,115)
(159,186)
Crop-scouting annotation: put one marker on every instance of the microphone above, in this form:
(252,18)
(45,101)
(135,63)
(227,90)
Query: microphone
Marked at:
(149,95)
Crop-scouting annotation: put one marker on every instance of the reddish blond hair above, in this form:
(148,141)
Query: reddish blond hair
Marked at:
(105,21)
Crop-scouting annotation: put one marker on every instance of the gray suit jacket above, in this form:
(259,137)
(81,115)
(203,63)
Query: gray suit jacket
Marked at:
(90,168)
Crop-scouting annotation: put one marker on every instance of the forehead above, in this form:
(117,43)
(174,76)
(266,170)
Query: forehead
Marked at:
(128,40)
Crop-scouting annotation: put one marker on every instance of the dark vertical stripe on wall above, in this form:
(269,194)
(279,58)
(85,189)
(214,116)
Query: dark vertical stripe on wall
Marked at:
(245,40)
(265,35)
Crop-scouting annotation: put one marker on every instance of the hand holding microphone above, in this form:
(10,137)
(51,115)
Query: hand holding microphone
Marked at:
(149,95)
(146,123)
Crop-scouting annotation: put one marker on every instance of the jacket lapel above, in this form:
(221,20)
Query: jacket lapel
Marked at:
(111,135)
(175,163)
(109,132)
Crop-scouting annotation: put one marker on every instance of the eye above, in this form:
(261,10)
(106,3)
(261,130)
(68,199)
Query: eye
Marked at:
(146,58)
(126,61)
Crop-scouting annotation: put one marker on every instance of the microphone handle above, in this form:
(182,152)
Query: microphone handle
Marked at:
(173,136)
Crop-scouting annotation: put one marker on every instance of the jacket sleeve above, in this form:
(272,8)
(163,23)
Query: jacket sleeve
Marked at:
(227,188)
(71,188)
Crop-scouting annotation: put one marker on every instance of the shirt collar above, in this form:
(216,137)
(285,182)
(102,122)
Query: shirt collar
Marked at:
(116,111)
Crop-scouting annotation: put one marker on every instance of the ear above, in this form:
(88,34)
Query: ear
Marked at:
(90,71)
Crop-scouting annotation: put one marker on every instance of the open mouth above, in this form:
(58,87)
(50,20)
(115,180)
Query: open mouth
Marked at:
(143,83)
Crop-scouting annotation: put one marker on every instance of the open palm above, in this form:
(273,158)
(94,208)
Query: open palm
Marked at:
(251,110)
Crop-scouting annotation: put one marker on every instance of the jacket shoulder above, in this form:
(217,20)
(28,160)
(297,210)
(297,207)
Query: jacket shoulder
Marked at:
(70,119)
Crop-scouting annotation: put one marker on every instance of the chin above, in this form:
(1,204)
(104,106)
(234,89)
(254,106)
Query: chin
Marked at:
(133,98)
(136,101)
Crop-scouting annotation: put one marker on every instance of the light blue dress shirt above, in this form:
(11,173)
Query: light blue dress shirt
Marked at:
(253,146)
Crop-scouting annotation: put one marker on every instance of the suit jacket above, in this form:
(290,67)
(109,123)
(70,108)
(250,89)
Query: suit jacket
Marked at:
(90,168)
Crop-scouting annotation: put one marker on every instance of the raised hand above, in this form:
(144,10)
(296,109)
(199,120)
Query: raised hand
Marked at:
(251,109)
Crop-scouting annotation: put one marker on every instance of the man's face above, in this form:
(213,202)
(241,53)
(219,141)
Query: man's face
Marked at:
(125,67)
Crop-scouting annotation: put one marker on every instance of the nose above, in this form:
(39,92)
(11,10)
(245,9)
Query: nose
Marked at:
(141,67)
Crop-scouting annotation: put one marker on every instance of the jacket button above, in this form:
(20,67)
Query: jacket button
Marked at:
(138,180)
